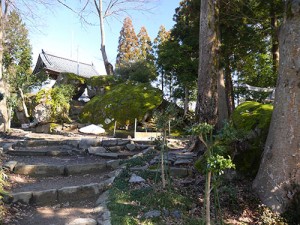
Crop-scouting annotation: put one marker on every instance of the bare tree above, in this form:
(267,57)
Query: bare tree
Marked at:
(114,8)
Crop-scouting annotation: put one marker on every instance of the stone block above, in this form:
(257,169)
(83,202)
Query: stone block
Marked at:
(113,164)
(82,221)
(77,192)
(109,155)
(94,150)
(23,197)
(84,168)
(39,170)
(109,143)
(44,197)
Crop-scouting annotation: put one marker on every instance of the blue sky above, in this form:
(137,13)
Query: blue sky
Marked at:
(64,35)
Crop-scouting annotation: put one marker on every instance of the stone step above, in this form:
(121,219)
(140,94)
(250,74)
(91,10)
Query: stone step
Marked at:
(60,195)
(50,170)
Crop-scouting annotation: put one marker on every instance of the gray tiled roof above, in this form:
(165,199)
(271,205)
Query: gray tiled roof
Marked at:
(63,65)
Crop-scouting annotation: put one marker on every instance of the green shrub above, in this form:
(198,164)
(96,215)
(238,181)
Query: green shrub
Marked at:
(252,119)
(122,103)
(59,100)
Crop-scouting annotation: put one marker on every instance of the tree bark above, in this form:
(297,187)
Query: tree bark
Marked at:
(108,66)
(222,103)
(4,120)
(274,36)
(278,178)
(229,89)
(186,100)
(23,103)
(209,44)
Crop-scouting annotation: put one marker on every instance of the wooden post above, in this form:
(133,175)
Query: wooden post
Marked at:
(135,124)
(115,128)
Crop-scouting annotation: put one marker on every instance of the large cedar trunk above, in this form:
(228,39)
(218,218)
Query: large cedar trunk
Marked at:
(209,44)
(278,179)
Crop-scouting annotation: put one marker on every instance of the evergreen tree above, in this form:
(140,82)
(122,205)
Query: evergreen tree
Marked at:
(145,45)
(161,38)
(128,51)
(17,60)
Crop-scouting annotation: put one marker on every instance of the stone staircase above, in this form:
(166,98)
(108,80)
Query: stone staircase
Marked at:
(62,178)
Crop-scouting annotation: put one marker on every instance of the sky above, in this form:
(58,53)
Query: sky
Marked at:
(61,33)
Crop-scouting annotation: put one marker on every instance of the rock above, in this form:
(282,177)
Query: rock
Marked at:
(176,214)
(166,212)
(102,198)
(88,142)
(23,197)
(136,179)
(8,147)
(115,149)
(92,129)
(94,150)
(110,155)
(183,162)
(123,142)
(152,214)
(44,197)
(83,221)
(113,164)
(109,143)
(42,113)
(131,147)
(39,170)
(10,165)
(178,172)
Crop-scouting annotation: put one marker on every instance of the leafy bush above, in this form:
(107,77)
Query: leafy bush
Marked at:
(123,103)
(59,100)
(3,183)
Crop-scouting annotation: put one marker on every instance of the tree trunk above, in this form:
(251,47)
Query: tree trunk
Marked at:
(274,36)
(108,66)
(207,98)
(186,100)
(229,89)
(4,121)
(222,103)
(23,103)
(278,178)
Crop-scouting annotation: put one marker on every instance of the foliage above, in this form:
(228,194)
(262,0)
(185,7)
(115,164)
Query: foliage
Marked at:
(142,71)
(215,163)
(122,103)
(74,77)
(128,203)
(17,57)
(102,81)
(128,51)
(59,100)
(252,121)
(3,183)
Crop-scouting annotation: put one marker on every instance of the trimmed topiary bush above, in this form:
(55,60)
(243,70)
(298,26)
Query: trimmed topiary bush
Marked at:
(252,120)
(123,103)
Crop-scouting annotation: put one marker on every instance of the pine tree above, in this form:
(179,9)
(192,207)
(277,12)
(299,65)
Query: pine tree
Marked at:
(128,51)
